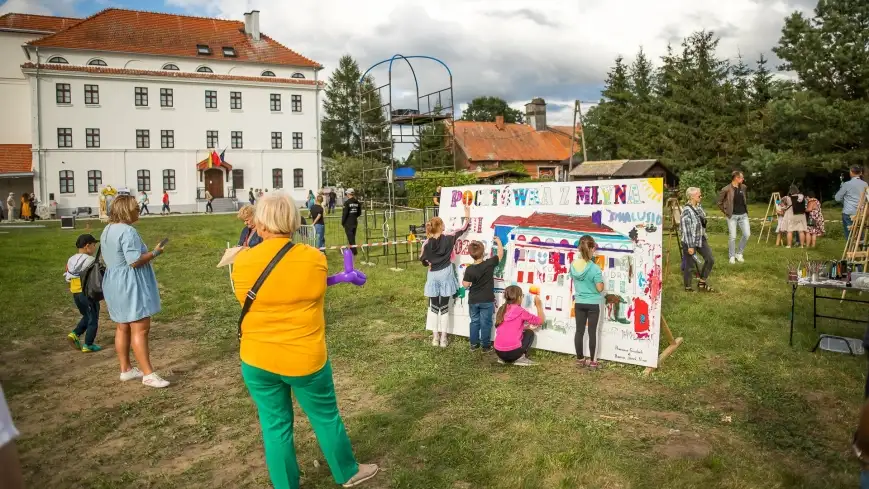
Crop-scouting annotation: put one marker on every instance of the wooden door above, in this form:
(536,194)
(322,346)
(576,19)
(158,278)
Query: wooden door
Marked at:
(214,182)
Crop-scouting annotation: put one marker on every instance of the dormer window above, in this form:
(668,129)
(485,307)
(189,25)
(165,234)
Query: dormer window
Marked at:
(229,52)
(298,75)
(58,60)
(204,69)
(268,73)
(203,49)
(97,62)
(170,67)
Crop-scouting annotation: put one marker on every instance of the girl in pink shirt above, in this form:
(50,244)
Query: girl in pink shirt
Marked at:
(515,328)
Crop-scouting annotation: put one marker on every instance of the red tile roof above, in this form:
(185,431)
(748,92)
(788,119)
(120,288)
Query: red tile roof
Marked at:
(171,74)
(36,23)
(508,221)
(484,141)
(15,158)
(579,224)
(130,31)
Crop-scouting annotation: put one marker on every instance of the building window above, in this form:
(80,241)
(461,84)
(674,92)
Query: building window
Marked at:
(228,52)
(238,179)
(59,60)
(167,138)
(211,99)
(143,138)
(297,140)
(235,100)
(277,178)
(67,182)
(95,179)
(203,49)
(235,139)
(297,103)
(141,97)
(204,69)
(167,98)
(298,178)
(143,180)
(275,102)
(168,179)
(97,62)
(92,94)
(277,140)
(268,73)
(64,93)
(210,139)
(170,67)
(92,138)
(64,137)
(298,75)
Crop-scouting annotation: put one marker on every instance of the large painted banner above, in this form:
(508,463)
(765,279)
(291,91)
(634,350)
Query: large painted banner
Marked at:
(540,225)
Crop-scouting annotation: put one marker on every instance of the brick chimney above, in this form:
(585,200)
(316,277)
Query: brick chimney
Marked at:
(535,114)
(499,122)
(251,24)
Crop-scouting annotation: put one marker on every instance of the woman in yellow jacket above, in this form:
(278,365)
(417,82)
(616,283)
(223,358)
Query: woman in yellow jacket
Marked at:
(283,347)
(25,207)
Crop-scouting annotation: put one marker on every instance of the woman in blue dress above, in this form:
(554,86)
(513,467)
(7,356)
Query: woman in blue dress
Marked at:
(130,289)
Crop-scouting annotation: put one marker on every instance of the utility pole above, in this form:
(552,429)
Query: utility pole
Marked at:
(581,131)
(573,140)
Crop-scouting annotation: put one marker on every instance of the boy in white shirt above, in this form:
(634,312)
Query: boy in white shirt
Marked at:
(89,309)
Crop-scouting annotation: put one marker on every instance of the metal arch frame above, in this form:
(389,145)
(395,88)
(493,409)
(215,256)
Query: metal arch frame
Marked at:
(390,165)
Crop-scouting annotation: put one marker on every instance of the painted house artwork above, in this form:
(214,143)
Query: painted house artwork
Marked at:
(540,225)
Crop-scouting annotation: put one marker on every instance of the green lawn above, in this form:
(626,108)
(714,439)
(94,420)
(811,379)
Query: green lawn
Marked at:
(734,407)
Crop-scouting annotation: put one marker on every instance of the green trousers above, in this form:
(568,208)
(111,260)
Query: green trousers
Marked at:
(272,394)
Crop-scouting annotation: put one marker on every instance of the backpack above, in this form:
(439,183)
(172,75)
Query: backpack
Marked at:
(798,205)
(92,278)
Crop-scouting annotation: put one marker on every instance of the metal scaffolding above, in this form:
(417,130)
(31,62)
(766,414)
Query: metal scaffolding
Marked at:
(426,124)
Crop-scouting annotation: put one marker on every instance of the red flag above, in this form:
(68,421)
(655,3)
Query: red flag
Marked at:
(215,160)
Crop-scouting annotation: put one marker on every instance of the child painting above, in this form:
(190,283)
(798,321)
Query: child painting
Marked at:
(587,286)
(441,284)
(480,280)
(515,328)
(89,308)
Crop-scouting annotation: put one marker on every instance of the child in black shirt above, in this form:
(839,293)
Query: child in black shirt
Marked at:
(480,278)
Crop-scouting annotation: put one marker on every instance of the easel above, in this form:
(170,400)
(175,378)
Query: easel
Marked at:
(672,205)
(857,247)
(673,343)
(774,201)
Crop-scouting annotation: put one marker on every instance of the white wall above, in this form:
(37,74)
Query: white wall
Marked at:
(14,92)
(118,118)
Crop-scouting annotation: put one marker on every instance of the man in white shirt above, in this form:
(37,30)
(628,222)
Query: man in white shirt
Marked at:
(10,466)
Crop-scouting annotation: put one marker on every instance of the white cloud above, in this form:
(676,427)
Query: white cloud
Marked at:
(41,7)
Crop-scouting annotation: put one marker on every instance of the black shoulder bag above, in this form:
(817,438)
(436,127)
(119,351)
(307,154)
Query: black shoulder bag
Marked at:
(251,294)
(92,278)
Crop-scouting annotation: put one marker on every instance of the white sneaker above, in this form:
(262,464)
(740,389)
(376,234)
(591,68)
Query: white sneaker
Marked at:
(739,258)
(133,373)
(434,338)
(444,340)
(154,380)
(524,362)
(733,260)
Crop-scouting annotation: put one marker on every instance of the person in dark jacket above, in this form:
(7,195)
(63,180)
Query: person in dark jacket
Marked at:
(350,218)
(333,199)
(733,202)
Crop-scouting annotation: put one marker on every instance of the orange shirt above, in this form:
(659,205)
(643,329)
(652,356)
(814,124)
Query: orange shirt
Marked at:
(285,330)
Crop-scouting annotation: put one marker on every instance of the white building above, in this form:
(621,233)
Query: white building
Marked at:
(140,99)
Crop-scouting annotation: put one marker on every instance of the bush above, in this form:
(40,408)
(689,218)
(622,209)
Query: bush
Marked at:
(421,189)
(701,178)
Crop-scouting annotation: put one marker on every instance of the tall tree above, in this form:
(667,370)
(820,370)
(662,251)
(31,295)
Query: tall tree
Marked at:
(484,109)
(642,73)
(341,110)
(761,84)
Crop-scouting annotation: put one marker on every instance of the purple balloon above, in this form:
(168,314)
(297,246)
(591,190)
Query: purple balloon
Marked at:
(349,275)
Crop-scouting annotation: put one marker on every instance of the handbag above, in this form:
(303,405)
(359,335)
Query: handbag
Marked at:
(251,294)
(92,278)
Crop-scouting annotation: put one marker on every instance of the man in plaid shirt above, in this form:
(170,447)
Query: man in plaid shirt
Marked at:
(694,241)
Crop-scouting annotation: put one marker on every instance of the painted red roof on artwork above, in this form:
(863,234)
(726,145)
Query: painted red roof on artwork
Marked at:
(15,158)
(130,31)
(508,221)
(564,222)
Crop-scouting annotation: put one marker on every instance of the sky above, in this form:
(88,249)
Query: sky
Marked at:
(559,50)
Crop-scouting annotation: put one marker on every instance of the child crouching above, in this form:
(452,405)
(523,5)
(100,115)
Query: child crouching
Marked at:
(515,328)
(89,309)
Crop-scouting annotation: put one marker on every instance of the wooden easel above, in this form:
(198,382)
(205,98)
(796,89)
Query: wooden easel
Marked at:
(673,343)
(857,246)
(675,211)
(774,201)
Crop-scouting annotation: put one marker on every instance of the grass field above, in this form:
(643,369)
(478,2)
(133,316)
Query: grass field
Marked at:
(734,407)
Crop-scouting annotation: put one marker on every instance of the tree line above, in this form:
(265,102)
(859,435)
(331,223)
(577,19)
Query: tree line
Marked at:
(696,110)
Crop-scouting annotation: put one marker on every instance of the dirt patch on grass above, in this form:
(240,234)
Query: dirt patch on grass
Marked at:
(684,446)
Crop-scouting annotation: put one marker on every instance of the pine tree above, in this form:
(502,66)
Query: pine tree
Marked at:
(761,85)
(641,74)
(341,107)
